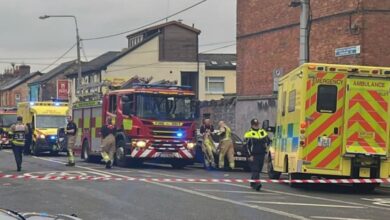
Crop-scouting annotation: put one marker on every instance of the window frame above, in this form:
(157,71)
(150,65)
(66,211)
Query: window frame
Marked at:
(113,103)
(291,108)
(208,81)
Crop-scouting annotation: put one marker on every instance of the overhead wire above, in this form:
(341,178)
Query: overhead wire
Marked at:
(59,58)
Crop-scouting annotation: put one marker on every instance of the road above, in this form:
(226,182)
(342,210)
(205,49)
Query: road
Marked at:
(154,200)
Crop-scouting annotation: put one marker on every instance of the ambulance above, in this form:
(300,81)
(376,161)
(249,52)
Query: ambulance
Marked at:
(44,118)
(7,118)
(332,121)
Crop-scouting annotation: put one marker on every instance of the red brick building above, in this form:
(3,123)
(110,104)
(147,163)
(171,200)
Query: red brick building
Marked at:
(268,37)
(268,43)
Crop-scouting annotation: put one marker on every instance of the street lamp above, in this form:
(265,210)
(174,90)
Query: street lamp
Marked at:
(77,40)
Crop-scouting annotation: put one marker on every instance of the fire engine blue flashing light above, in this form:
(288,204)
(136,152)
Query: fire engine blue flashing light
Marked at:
(179,134)
(57,104)
(53,137)
(32,103)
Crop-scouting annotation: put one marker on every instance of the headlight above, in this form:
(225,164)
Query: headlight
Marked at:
(42,136)
(190,145)
(141,144)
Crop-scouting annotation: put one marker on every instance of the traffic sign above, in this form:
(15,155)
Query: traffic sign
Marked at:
(347,51)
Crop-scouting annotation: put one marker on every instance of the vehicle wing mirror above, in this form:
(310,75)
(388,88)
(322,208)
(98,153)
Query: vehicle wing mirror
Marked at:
(265,125)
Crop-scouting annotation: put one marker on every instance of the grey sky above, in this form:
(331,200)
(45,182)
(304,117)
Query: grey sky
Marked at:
(26,39)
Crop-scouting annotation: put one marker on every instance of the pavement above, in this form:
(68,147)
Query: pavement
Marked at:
(154,200)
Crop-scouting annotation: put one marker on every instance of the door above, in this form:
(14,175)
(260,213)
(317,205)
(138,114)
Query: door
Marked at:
(324,109)
(190,79)
(367,114)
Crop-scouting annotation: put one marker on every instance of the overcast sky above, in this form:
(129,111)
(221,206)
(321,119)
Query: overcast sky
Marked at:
(26,39)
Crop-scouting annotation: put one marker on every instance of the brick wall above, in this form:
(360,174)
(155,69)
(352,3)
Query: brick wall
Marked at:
(268,37)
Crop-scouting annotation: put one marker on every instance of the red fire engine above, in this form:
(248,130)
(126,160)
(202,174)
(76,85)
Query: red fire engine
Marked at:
(7,118)
(153,122)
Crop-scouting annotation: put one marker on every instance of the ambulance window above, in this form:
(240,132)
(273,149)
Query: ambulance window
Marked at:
(112,107)
(291,100)
(327,98)
(284,104)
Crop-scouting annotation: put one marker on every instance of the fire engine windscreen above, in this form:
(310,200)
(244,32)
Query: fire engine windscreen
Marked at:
(7,120)
(165,107)
(50,121)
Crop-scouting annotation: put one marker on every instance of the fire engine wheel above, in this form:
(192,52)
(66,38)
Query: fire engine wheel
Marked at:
(178,165)
(272,174)
(120,156)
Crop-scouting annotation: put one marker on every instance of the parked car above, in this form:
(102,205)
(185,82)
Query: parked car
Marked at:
(241,160)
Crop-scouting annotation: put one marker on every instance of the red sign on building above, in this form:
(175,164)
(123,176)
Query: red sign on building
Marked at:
(62,89)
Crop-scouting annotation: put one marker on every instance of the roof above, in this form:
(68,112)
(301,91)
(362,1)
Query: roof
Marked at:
(96,64)
(156,27)
(54,72)
(219,61)
(19,80)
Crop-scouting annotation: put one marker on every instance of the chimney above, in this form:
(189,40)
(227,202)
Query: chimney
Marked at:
(24,69)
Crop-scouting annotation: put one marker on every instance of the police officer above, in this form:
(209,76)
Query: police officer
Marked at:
(256,140)
(71,130)
(18,133)
(108,143)
(226,146)
(208,146)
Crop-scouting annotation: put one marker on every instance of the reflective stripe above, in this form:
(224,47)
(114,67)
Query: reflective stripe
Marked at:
(260,134)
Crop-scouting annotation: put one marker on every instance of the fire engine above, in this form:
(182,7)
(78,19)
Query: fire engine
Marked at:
(332,121)
(153,122)
(44,118)
(7,118)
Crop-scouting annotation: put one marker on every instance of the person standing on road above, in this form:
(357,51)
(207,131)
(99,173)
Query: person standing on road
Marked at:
(226,146)
(256,142)
(27,146)
(70,131)
(18,133)
(108,143)
(208,146)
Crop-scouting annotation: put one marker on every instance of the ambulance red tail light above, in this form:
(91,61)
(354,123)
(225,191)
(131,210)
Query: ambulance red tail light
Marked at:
(303,127)
(302,143)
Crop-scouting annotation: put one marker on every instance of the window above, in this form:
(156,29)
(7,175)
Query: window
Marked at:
(326,98)
(214,62)
(284,103)
(112,107)
(291,100)
(215,84)
(17,97)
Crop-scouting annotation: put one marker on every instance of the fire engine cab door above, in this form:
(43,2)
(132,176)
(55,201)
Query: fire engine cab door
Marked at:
(367,116)
(324,104)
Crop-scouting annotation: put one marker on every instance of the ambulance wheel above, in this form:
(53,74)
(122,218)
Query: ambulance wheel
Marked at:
(294,176)
(120,156)
(364,187)
(34,150)
(54,153)
(272,174)
(86,155)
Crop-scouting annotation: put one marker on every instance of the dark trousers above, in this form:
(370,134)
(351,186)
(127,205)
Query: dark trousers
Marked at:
(256,166)
(18,153)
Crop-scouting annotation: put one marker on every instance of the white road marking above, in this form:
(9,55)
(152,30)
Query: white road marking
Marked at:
(230,191)
(305,204)
(314,197)
(336,218)
(379,201)
(274,211)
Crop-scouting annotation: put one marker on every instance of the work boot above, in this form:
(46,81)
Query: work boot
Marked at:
(108,164)
(19,168)
(70,164)
(258,187)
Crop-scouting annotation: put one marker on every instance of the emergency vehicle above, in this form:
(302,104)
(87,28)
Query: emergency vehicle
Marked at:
(332,121)
(44,118)
(153,122)
(7,118)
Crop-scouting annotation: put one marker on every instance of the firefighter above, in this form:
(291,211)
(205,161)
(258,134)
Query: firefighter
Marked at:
(208,146)
(71,130)
(108,143)
(18,133)
(256,142)
(225,146)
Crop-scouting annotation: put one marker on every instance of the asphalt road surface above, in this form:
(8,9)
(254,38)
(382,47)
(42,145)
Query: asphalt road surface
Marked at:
(153,200)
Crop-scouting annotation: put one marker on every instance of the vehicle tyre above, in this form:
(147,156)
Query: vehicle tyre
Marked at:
(34,150)
(272,174)
(54,153)
(120,156)
(86,154)
(294,176)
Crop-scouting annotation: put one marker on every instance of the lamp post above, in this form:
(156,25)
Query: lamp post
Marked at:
(304,32)
(77,40)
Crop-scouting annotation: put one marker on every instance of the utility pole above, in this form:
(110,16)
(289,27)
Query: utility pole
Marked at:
(303,29)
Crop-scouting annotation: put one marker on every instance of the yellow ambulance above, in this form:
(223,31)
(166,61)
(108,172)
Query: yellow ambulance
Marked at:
(332,121)
(44,118)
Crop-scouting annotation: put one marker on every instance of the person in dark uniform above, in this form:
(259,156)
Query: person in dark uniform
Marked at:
(27,146)
(256,142)
(71,130)
(18,133)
